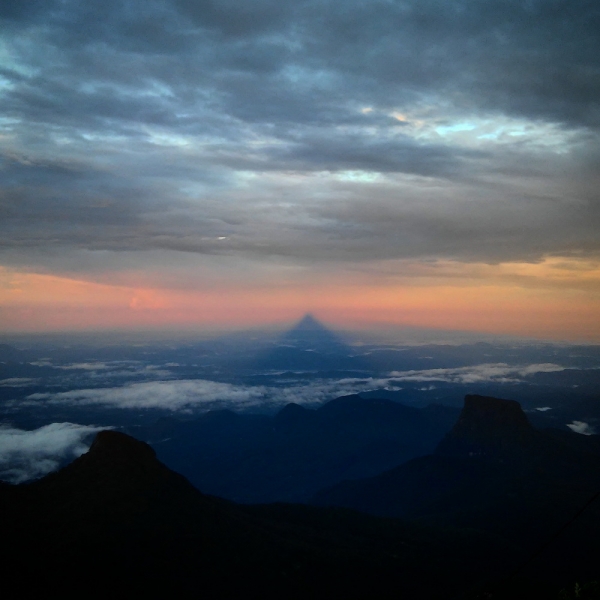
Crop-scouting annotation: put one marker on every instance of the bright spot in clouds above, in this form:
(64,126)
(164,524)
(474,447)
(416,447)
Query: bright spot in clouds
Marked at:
(443,130)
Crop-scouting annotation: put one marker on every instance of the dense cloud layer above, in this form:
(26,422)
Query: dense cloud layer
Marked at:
(204,395)
(297,132)
(28,455)
(169,395)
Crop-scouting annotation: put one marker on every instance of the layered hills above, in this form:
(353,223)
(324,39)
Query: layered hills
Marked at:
(494,472)
(117,521)
(292,455)
(498,509)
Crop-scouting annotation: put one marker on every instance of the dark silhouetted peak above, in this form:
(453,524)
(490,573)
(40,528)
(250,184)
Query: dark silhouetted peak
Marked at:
(354,405)
(294,417)
(115,454)
(495,414)
(220,417)
(489,427)
(344,402)
(116,468)
(114,443)
(292,412)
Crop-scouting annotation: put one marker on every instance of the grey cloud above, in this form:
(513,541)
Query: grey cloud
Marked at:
(320,391)
(199,395)
(98,371)
(581,427)
(320,221)
(169,395)
(96,365)
(131,126)
(16,11)
(26,455)
(203,395)
(18,382)
(395,153)
(497,372)
(238,19)
(536,58)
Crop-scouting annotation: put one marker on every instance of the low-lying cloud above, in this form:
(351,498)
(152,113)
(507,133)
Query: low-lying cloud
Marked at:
(190,395)
(86,366)
(320,391)
(18,382)
(26,455)
(170,395)
(98,370)
(492,372)
(187,395)
(581,427)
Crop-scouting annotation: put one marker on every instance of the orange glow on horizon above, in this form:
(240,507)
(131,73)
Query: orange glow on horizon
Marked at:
(556,299)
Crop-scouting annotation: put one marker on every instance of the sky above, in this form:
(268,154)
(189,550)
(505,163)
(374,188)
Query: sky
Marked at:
(214,164)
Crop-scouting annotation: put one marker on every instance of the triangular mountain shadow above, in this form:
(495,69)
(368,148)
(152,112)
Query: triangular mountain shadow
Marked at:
(309,333)
(310,345)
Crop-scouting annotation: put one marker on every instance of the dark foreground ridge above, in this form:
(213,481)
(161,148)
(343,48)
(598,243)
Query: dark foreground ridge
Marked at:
(494,472)
(489,427)
(117,519)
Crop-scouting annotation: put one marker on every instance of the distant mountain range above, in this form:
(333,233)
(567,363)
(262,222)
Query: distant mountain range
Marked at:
(289,457)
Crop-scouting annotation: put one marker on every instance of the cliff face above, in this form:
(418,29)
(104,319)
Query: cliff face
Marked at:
(489,427)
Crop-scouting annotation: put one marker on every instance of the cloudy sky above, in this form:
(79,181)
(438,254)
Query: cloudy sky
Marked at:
(198,163)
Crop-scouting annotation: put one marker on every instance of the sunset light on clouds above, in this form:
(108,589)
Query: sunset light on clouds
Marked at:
(220,165)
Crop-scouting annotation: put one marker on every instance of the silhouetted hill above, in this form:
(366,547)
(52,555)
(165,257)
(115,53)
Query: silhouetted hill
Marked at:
(116,521)
(494,472)
(489,427)
(290,456)
(492,444)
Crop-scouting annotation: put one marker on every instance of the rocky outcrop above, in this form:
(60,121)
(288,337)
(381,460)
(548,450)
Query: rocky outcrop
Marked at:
(489,427)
